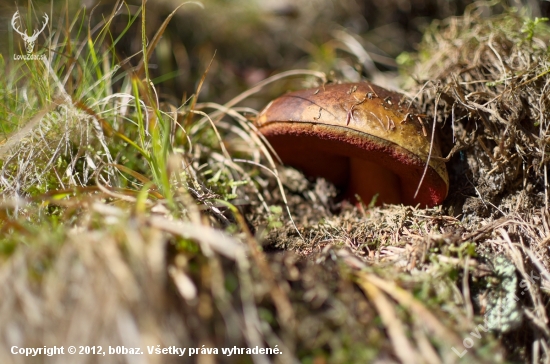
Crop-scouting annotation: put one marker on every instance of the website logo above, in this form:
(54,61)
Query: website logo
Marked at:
(29,40)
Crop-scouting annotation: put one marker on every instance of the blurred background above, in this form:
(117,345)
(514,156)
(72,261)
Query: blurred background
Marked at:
(249,40)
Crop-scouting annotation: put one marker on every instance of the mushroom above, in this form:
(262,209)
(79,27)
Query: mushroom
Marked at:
(363,138)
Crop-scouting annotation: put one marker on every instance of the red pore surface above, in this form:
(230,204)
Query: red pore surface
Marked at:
(325,151)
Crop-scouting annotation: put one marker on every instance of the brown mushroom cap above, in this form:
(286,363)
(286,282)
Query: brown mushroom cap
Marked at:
(361,137)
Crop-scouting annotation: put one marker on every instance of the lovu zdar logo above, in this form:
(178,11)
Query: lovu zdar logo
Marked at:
(30,40)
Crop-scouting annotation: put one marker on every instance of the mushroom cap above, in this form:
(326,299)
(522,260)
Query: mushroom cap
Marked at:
(319,130)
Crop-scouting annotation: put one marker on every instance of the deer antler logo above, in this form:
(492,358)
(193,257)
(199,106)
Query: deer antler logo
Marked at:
(29,40)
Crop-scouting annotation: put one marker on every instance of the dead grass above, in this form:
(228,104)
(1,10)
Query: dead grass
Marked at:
(486,82)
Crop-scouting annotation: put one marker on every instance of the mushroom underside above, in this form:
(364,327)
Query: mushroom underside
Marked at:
(356,162)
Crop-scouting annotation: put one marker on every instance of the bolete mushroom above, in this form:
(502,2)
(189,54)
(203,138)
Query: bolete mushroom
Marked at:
(363,138)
